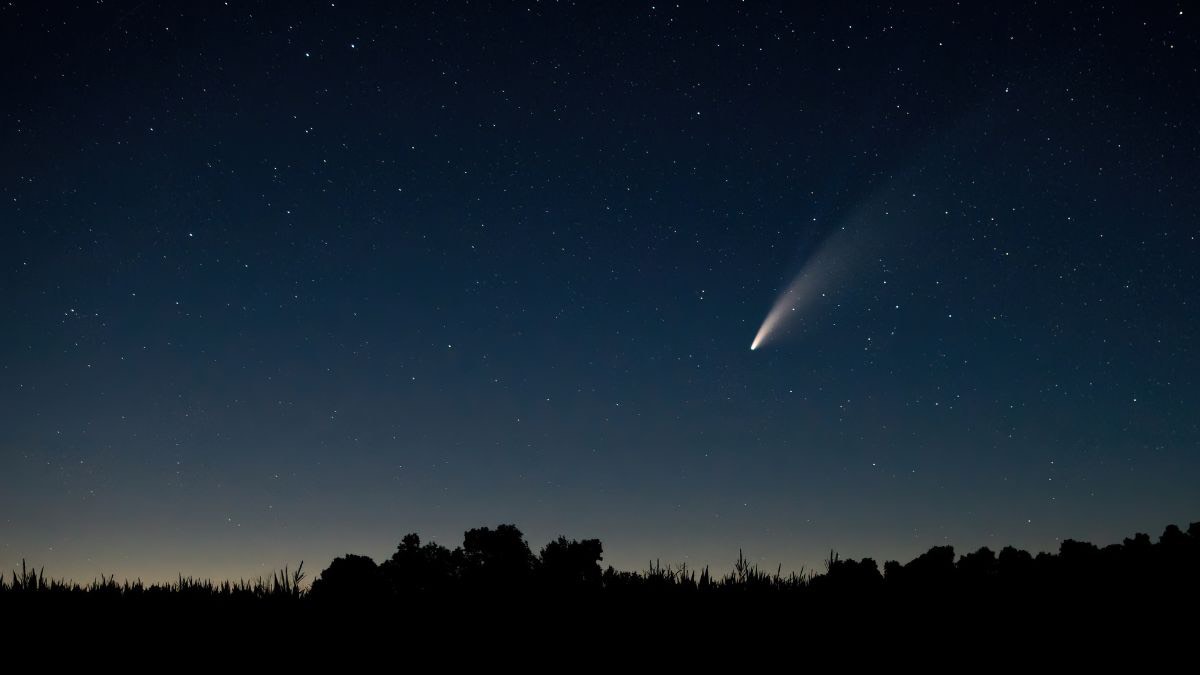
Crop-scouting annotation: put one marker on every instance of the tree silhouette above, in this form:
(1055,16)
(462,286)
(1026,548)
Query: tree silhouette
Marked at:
(496,560)
(571,564)
(931,570)
(352,578)
(849,575)
(414,568)
(979,567)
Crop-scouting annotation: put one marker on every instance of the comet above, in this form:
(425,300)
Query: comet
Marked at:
(815,277)
(793,299)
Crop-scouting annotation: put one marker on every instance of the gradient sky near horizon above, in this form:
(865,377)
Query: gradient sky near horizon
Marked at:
(282,281)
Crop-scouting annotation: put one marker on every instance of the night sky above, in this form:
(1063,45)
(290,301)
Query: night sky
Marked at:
(282,281)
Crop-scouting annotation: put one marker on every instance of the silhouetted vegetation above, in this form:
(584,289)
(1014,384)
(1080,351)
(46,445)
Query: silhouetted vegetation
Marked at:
(499,562)
(284,584)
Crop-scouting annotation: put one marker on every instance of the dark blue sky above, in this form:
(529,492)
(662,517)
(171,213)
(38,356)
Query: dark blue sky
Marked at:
(283,281)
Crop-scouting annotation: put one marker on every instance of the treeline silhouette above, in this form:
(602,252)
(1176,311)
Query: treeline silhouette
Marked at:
(499,562)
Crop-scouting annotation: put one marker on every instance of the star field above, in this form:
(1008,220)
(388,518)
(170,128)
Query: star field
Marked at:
(285,281)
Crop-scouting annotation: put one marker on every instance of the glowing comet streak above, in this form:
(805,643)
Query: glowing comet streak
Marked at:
(808,286)
(786,304)
(867,234)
